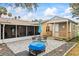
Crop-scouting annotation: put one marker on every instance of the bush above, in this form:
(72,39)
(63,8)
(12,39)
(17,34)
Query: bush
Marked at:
(77,38)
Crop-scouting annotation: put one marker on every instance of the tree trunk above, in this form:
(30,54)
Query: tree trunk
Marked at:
(0,15)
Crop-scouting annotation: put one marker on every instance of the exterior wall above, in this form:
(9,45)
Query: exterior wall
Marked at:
(44,29)
(4,22)
(50,33)
(44,32)
(62,29)
(16,39)
(11,39)
(67,28)
(73,30)
(63,33)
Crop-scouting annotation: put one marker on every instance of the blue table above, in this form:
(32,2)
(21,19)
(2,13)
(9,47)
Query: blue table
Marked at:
(36,47)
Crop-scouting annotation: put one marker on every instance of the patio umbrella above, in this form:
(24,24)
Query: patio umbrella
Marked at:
(40,27)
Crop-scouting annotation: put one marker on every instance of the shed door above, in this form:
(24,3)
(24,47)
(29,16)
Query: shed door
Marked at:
(56,30)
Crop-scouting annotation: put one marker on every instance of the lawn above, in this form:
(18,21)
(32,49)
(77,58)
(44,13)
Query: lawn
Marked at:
(74,51)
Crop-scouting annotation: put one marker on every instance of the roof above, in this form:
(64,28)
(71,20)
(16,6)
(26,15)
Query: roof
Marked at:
(17,22)
(59,19)
(30,23)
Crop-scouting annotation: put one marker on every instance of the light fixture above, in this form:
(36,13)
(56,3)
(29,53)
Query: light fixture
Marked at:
(63,26)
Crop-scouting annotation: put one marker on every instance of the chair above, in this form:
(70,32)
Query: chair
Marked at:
(44,38)
(33,38)
(39,38)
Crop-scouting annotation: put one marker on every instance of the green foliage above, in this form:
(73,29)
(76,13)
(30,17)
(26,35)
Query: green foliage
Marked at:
(9,14)
(75,9)
(19,17)
(3,10)
(77,36)
(28,6)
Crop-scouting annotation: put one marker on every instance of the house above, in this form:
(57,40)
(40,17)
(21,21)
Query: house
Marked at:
(13,30)
(59,28)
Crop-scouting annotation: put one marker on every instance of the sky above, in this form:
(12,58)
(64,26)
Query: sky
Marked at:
(44,11)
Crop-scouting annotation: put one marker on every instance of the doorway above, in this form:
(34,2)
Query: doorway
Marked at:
(56,30)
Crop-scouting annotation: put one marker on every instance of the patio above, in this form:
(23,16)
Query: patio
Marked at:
(20,46)
(5,51)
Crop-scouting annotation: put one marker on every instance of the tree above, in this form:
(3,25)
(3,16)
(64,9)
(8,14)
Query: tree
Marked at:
(29,6)
(15,17)
(19,17)
(75,9)
(9,14)
(35,20)
(3,10)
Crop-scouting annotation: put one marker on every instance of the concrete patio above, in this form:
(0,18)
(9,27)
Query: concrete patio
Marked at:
(20,46)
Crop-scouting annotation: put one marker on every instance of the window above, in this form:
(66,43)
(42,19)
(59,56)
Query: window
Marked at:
(21,31)
(10,31)
(47,28)
(30,30)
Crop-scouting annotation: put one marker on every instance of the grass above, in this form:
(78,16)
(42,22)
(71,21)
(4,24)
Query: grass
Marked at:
(75,50)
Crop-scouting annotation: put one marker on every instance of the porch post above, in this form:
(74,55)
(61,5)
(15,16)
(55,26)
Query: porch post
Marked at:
(67,30)
(54,29)
(3,30)
(70,30)
(26,30)
(34,30)
(0,31)
(16,31)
